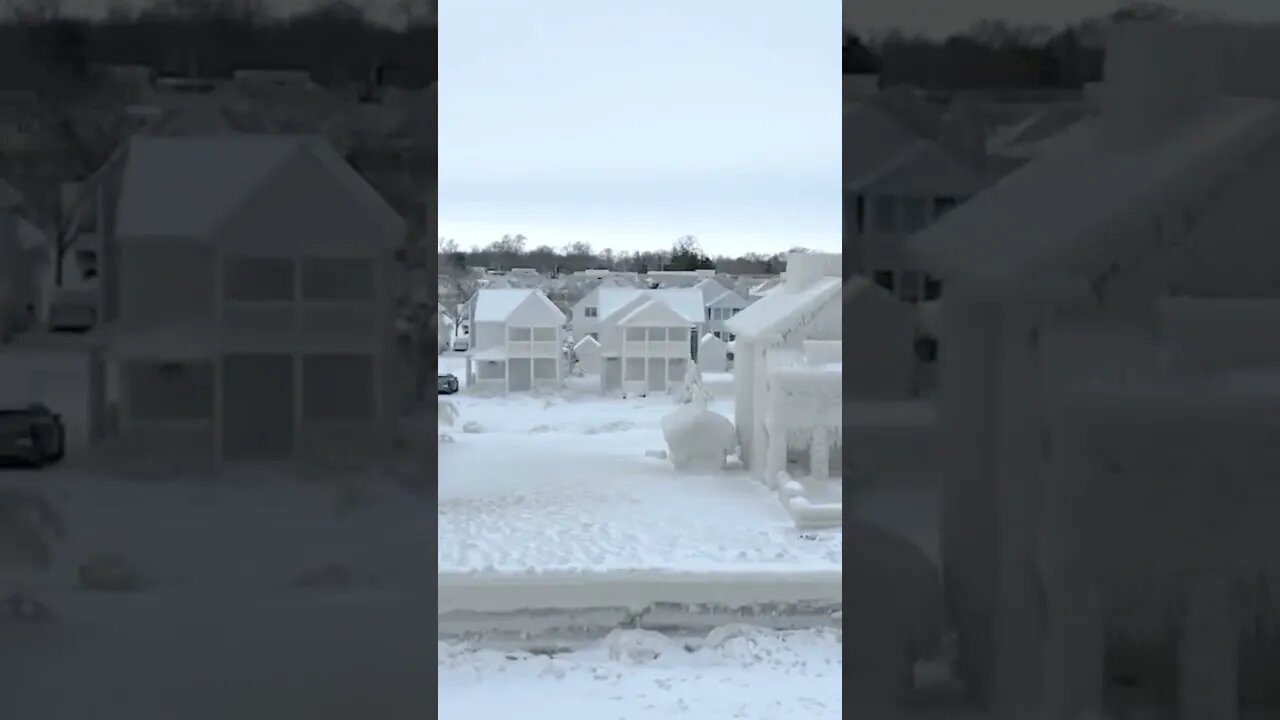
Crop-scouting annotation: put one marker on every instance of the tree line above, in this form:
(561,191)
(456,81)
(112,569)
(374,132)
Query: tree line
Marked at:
(334,40)
(686,253)
(997,54)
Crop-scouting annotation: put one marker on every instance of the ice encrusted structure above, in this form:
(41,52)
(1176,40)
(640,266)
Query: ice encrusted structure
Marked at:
(698,440)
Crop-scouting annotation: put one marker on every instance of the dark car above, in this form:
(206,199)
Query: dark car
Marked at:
(33,435)
(446,384)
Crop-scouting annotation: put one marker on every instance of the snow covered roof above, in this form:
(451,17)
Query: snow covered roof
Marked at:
(788,306)
(1054,212)
(653,312)
(587,343)
(685,301)
(187,187)
(495,305)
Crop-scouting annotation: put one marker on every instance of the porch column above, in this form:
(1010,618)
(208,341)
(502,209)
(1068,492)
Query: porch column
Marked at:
(820,454)
(775,451)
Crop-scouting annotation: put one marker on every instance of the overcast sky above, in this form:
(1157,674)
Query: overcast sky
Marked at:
(628,123)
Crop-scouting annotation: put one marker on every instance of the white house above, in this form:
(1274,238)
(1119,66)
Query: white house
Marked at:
(1069,395)
(517,341)
(605,300)
(805,306)
(246,299)
(713,354)
(587,350)
(646,346)
(722,307)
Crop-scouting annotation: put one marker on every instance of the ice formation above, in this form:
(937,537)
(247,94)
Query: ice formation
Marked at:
(699,440)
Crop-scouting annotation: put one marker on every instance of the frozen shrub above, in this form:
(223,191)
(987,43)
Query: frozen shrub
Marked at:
(698,440)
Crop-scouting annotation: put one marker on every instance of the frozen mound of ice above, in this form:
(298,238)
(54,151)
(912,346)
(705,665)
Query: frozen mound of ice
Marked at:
(698,440)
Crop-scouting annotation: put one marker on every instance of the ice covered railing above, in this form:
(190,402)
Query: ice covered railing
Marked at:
(1160,506)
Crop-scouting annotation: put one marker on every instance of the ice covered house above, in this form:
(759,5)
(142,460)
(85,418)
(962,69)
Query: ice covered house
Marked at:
(648,339)
(245,299)
(903,171)
(722,307)
(587,353)
(517,341)
(604,300)
(771,334)
(1108,498)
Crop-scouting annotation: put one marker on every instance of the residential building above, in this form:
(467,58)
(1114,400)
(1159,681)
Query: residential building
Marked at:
(245,298)
(646,344)
(1060,315)
(604,300)
(806,306)
(517,341)
(724,306)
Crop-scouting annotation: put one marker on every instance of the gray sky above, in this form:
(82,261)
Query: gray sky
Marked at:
(948,16)
(629,123)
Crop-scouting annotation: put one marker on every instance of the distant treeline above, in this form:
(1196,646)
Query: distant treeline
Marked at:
(995,54)
(685,254)
(335,41)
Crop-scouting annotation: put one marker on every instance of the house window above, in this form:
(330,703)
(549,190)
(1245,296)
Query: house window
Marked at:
(883,278)
(635,334)
(915,213)
(338,279)
(656,334)
(884,214)
(589,312)
(633,371)
(544,369)
(257,279)
(932,287)
(677,334)
(943,205)
(519,334)
(544,334)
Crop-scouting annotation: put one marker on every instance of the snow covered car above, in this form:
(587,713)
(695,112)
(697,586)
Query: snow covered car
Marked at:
(446,384)
(33,435)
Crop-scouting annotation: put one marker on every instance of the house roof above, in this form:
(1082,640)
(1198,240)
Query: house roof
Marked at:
(188,187)
(497,304)
(653,312)
(788,306)
(685,301)
(731,298)
(1053,213)
(586,343)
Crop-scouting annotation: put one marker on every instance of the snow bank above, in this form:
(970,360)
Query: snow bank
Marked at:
(737,672)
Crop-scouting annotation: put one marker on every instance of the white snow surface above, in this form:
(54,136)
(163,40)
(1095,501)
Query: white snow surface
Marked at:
(562,483)
(740,672)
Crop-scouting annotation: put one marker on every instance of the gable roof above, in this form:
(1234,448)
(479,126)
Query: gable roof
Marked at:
(730,297)
(496,305)
(787,307)
(587,343)
(1053,213)
(653,312)
(685,301)
(188,187)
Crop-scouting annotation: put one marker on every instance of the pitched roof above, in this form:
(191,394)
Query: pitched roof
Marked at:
(651,311)
(685,301)
(1054,212)
(586,343)
(788,306)
(496,304)
(187,187)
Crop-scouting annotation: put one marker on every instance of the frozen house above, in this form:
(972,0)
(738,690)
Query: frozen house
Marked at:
(646,344)
(805,306)
(604,301)
(517,341)
(713,354)
(1083,376)
(245,296)
(722,307)
(587,350)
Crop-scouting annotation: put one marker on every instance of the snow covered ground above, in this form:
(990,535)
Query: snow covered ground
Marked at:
(563,483)
(638,675)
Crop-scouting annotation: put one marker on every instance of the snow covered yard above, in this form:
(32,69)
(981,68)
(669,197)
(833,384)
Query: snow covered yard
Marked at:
(640,675)
(564,483)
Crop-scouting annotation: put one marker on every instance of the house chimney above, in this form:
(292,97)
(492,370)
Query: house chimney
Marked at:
(1155,74)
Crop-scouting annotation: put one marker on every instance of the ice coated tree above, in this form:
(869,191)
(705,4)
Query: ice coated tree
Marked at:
(692,391)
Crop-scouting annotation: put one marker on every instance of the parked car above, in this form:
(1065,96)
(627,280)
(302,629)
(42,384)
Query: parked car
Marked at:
(462,343)
(446,384)
(33,435)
